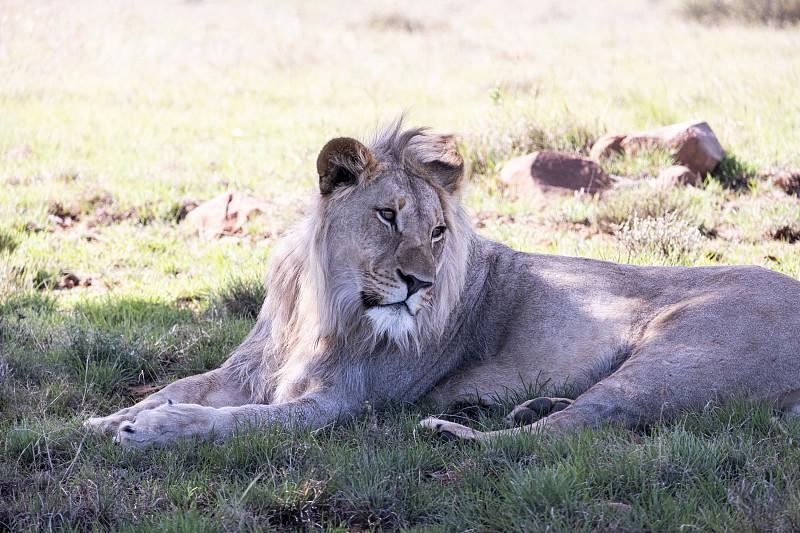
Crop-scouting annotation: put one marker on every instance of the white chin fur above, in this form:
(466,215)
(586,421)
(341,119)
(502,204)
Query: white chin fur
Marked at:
(395,322)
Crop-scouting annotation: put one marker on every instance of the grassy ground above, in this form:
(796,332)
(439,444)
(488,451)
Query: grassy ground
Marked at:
(113,115)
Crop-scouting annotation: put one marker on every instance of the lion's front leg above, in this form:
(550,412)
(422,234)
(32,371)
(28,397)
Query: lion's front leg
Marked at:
(173,421)
(216,388)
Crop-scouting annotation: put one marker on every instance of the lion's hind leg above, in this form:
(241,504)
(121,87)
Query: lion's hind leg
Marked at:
(789,403)
(451,430)
(540,415)
(533,410)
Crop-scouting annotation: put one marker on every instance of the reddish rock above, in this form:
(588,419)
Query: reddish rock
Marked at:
(606,145)
(21,152)
(677,175)
(225,214)
(543,175)
(693,144)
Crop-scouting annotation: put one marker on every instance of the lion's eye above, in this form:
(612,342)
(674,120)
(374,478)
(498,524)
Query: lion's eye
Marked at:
(437,232)
(387,214)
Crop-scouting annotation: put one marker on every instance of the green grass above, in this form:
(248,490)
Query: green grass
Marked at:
(116,116)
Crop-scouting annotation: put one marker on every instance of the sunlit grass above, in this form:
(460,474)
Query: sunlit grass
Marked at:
(113,115)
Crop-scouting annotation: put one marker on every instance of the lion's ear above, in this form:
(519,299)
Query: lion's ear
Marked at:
(435,156)
(343,161)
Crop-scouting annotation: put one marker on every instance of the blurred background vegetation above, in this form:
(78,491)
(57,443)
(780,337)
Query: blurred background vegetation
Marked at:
(116,116)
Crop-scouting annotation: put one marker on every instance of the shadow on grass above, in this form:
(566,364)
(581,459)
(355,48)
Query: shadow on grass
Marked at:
(734,173)
(87,358)
(156,339)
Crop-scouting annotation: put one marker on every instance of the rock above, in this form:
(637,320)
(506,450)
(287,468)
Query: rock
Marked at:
(610,143)
(21,152)
(693,144)
(676,175)
(225,214)
(543,175)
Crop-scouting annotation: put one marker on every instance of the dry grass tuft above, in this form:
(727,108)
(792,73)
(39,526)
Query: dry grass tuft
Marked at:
(667,238)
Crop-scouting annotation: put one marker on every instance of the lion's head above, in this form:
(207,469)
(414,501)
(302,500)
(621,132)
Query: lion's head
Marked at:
(386,248)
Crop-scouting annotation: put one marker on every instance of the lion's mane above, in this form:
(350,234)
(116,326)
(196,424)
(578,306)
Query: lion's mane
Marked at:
(312,321)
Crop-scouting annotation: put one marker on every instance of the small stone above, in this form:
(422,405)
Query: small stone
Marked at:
(545,175)
(675,176)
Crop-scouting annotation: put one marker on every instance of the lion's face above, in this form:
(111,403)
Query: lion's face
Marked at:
(387,232)
(398,231)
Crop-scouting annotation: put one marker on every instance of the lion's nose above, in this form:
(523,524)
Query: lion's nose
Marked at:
(414,284)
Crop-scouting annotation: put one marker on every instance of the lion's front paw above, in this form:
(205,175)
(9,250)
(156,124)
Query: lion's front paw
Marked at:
(112,422)
(450,430)
(532,410)
(105,424)
(167,423)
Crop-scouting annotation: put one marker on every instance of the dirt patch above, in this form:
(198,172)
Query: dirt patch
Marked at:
(486,219)
(786,180)
(19,153)
(190,303)
(63,216)
(98,209)
(491,221)
(454,474)
(45,280)
(396,22)
(788,233)
(105,212)
(71,280)
(140,391)
(106,217)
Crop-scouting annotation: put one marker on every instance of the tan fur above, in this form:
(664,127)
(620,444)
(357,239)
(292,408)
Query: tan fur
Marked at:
(385,293)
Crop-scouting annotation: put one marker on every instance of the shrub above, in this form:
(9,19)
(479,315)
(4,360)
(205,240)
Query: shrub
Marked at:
(733,173)
(8,242)
(498,141)
(241,297)
(789,233)
(641,201)
(778,13)
(44,279)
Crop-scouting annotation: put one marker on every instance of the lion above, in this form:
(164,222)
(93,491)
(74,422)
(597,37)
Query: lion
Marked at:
(385,293)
